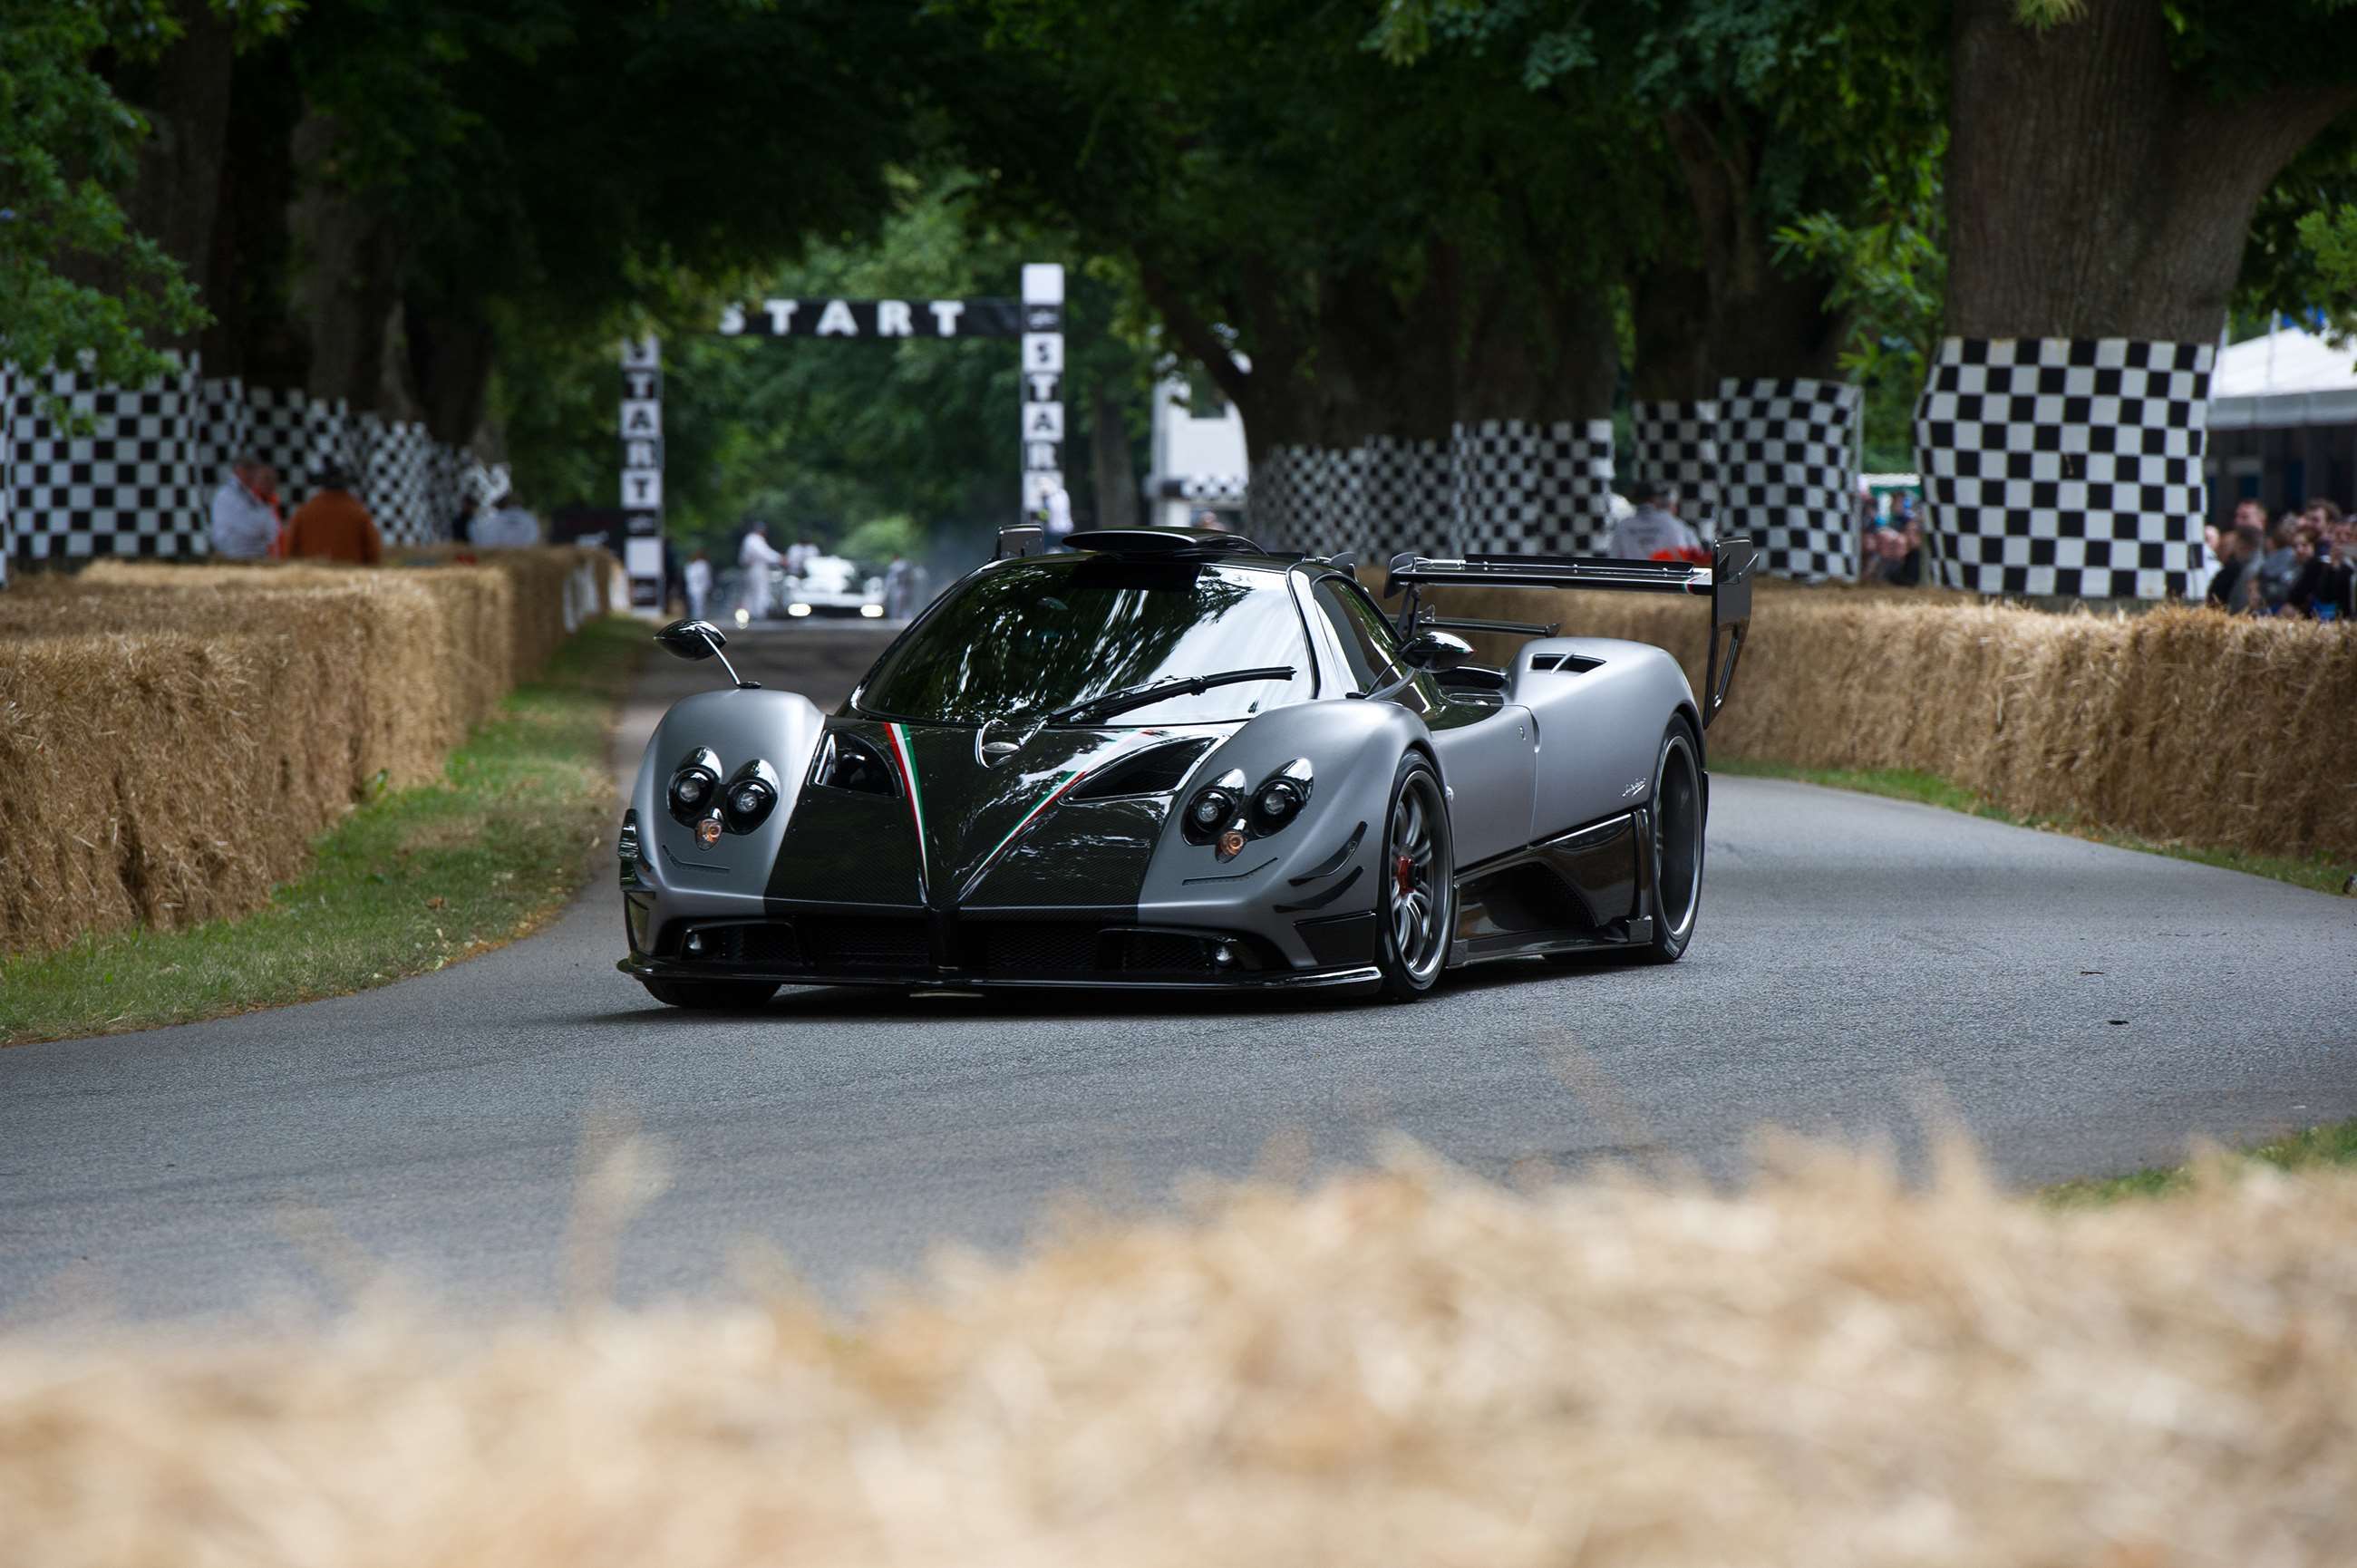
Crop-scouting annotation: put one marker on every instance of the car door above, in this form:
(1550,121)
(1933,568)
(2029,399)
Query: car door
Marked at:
(1488,756)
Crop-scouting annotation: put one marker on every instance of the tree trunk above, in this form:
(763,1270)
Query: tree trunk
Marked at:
(253,334)
(1115,480)
(351,279)
(450,349)
(2091,192)
(176,194)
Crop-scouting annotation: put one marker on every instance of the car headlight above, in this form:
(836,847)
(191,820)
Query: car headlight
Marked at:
(693,783)
(1215,807)
(750,796)
(1281,795)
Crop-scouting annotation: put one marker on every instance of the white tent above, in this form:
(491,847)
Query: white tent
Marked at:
(2286,378)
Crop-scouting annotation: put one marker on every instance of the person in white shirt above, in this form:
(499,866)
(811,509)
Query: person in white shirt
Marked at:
(799,556)
(1654,529)
(508,525)
(245,525)
(1060,515)
(758,558)
(699,579)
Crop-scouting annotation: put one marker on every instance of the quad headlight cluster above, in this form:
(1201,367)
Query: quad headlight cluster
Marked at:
(1227,816)
(703,803)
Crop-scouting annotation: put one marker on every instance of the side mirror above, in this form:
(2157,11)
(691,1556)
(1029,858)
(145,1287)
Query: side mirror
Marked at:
(1435,651)
(692,640)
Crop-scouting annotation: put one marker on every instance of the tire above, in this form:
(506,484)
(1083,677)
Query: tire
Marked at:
(712,995)
(1678,816)
(1416,899)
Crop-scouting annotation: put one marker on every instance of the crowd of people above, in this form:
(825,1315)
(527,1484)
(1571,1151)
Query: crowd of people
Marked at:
(251,523)
(2303,564)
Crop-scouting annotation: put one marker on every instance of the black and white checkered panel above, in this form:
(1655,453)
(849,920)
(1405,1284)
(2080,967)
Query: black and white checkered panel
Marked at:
(130,487)
(277,430)
(399,485)
(1677,444)
(1306,498)
(1207,489)
(2066,465)
(1407,502)
(1788,469)
(1521,487)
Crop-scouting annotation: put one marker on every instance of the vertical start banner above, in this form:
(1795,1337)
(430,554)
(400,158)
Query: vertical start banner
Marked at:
(1043,395)
(642,474)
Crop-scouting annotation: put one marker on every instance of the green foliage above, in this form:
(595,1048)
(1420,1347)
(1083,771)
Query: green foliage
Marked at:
(67,146)
(2331,238)
(815,436)
(873,543)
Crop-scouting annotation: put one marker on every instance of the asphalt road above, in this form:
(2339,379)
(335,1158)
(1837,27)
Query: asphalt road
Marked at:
(1859,961)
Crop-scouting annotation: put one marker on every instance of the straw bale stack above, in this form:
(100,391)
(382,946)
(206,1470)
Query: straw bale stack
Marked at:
(2183,725)
(1407,1368)
(172,738)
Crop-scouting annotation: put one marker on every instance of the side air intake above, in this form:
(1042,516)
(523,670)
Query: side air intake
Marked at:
(1569,663)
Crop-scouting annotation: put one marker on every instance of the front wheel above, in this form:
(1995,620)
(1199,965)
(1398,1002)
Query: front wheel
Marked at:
(712,995)
(1415,903)
(1676,849)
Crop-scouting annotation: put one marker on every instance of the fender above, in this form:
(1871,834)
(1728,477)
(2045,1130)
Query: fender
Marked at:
(740,725)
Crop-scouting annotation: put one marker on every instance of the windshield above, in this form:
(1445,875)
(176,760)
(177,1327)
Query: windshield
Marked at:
(1045,632)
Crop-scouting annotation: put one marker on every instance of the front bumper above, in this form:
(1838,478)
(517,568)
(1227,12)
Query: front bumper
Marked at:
(1361,980)
(1094,950)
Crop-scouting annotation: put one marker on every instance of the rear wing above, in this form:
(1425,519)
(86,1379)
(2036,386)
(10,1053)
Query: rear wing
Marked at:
(1726,581)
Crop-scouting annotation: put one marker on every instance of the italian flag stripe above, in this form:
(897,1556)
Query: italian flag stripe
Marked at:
(1046,801)
(898,735)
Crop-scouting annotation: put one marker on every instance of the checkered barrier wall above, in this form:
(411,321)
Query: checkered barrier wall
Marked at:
(132,486)
(1305,497)
(1677,444)
(140,482)
(2066,465)
(1519,487)
(1405,497)
(1788,467)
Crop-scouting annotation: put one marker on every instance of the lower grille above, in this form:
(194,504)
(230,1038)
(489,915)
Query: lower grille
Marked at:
(1028,948)
(865,942)
(1167,952)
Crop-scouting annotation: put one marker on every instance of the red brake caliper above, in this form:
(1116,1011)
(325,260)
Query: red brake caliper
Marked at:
(1403,872)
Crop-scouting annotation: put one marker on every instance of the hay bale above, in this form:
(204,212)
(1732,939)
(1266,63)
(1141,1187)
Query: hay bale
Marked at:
(1406,1367)
(172,738)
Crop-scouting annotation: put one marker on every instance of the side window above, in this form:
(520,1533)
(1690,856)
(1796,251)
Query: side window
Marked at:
(1366,637)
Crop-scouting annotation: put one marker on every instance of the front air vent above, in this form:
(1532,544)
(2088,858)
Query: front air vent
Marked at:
(1156,771)
(1568,664)
(846,762)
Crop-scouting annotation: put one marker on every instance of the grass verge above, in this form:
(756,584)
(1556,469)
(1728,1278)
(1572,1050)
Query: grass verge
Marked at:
(411,881)
(2321,873)
(2334,1144)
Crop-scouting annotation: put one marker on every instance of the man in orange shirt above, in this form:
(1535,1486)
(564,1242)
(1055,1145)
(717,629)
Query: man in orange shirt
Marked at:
(334,526)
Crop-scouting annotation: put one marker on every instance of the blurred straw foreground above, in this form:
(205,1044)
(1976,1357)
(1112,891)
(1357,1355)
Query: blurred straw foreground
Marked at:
(2184,725)
(1412,1366)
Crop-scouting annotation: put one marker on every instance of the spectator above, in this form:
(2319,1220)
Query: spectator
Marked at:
(507,525)
(758,558)
(1653,532)
(900,589)
(798,555)
(245,511)
(2239,552)
(334,526)
(470,514)
(698,581)
(2322,589)
(2279,566)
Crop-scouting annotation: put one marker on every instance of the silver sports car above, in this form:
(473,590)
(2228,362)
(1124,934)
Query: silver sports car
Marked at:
(1174,759)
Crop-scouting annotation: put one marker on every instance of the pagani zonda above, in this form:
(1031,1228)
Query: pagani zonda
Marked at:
(1174,759)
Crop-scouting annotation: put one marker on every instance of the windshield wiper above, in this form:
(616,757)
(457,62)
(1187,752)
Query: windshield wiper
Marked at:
(1114,702)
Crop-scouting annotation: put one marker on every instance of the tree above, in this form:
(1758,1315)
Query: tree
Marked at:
(78,284)
(2108,155)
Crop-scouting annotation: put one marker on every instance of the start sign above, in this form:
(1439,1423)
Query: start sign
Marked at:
(857,318)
